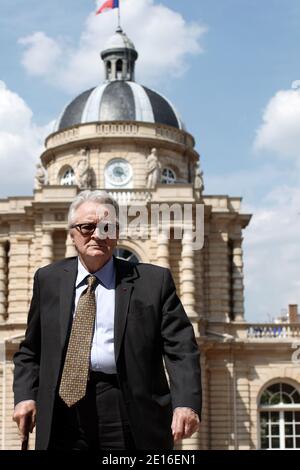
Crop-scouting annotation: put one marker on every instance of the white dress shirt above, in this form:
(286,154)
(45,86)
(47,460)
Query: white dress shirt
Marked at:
(103,351)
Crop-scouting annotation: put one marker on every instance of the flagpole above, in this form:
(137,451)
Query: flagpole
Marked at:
(119,15)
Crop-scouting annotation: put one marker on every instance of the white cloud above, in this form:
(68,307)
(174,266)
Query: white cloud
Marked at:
(162,37)
(41,55)
(272,254)
(280,130)
(271,241)
(21,143)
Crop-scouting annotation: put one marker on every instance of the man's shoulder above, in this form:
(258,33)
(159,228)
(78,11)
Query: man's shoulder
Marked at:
(58,265)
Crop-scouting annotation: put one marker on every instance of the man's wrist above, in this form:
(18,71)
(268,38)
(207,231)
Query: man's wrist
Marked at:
(187,408)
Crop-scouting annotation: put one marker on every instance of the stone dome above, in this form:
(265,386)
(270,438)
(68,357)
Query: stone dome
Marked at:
(119,98)
(119,101)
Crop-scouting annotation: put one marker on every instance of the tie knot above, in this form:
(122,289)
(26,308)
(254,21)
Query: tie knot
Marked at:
(91,280)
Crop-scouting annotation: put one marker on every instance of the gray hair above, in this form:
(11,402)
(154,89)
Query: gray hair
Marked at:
(100,197)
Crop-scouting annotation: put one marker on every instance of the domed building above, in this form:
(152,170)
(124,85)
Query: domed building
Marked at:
(105,138)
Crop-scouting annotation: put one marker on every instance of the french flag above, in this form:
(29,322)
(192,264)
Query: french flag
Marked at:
(108,5)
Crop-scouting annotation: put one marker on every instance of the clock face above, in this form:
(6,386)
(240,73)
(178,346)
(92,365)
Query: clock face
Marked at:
(118,172)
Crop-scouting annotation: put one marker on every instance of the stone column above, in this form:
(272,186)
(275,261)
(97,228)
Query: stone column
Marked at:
(47,247)
(187,277)
(19,282)
(124,69)
(113,70)
(70,247)
(163,249)
(199,280)
(3,280)
(237,281)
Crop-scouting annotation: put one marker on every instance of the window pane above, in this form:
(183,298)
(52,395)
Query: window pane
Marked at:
(297,416)
(286,398)
(275,417)
(298,429)
(296,397)
(275,430)
(288,416)
(287,388)
(297,442)
(275,443)
(288,429)
(264,443)
(274,388)
(264,415)
(264,425)
(275,399)
(289,443)
(265,398)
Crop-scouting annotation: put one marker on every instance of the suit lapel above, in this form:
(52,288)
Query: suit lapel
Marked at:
(67,293)
(125,275)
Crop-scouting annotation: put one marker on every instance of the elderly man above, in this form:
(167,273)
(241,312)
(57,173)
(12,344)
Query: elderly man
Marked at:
(90,370)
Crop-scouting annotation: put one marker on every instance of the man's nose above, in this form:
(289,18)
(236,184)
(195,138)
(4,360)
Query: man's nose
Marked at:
(97,233)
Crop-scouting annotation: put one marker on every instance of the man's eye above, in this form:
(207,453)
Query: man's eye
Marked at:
(88,226)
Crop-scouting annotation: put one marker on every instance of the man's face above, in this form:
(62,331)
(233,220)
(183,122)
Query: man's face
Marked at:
(94,246)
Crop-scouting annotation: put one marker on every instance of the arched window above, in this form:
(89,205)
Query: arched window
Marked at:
(108,70)
(68,177)
(126,255)
(279,412)
(168,176)
(119,68)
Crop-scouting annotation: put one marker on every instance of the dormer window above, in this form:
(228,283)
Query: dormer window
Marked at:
(119,66)
(68,177)
(168,176)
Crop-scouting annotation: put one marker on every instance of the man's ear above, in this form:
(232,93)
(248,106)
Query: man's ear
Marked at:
(72,236)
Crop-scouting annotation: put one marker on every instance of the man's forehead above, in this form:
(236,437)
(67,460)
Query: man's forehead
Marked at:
(96,210)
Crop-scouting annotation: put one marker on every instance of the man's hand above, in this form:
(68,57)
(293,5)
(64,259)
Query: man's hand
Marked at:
(24,415)
(185,423)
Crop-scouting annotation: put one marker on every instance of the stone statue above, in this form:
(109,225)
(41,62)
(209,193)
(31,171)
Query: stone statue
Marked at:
(40,176)
(198,182)
(153,169)
(83,172)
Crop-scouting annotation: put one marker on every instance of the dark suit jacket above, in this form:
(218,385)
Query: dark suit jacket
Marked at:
(150,323)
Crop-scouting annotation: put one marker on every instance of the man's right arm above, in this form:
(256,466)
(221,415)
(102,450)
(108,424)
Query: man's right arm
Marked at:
(26,372)
(25,416)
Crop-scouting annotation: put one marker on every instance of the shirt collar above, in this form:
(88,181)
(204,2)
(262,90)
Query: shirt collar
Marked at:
(106,274)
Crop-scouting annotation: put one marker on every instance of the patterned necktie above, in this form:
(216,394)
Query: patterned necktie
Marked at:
(76,368)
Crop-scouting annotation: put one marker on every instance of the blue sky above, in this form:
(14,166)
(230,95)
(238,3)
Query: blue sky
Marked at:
(227,65)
